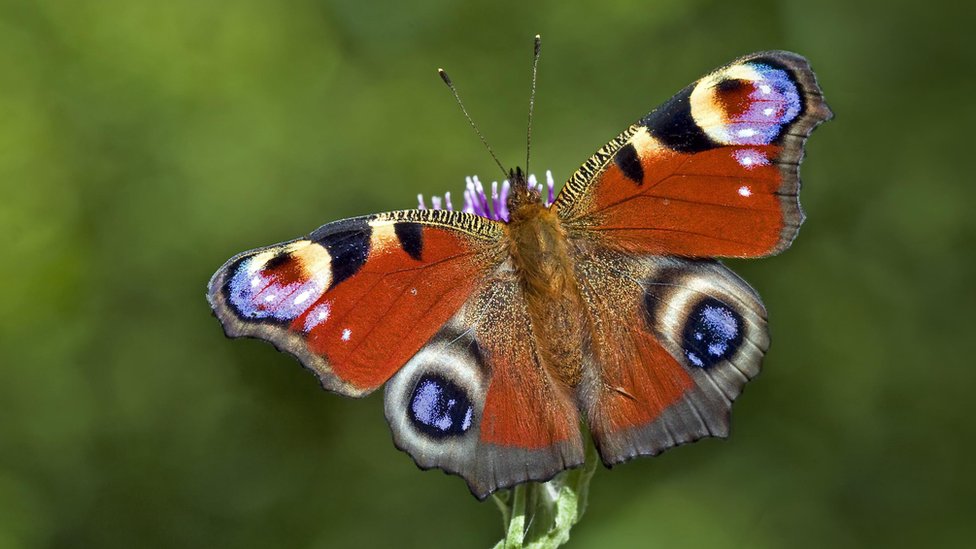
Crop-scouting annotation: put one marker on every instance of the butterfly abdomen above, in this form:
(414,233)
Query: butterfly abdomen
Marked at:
(540,252)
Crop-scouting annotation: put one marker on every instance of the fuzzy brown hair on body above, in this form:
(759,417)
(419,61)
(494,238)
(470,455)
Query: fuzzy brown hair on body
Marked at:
(540,252)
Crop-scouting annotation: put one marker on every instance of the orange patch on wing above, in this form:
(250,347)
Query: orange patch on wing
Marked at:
(523,409)
(638,389)
(697,205)
(381,316)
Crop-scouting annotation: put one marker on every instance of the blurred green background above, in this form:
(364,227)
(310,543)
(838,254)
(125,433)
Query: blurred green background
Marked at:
(143,143)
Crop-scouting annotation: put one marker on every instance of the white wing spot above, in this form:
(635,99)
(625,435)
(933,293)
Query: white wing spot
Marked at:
(748,132)
(346,334)
(303,297)
(765,88)
(270,298)
(744,191)
(317,316)
(768,111)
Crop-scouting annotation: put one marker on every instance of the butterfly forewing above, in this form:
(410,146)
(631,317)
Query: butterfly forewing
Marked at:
(714,172)
(356,299)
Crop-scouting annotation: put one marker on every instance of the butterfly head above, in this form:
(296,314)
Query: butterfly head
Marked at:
(523,198)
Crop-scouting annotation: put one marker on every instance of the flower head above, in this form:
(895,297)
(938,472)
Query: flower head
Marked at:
(493,204)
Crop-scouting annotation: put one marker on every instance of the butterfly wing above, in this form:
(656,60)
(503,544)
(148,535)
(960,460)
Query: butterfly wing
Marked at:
(356,299)
(427,298)
(714,172)
(673,343)
(476,401)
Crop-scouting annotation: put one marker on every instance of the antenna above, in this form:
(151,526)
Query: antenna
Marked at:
(535,71)
(447,80)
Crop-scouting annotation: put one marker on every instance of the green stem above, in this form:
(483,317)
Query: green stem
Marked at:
(541,515)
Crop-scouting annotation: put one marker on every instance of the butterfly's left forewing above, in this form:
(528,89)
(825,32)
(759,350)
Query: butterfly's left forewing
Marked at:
(357,298)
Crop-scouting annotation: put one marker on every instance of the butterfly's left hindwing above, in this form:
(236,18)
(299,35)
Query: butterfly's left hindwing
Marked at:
(357,298)
(478,402)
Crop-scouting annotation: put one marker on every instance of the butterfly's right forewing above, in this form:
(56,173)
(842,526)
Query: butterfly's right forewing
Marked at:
(714,172)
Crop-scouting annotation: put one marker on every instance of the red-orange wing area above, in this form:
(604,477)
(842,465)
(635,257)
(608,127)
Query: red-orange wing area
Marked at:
(696,205)
(635,379)
(524,406)
(640,380)
(358,298)
(383,314)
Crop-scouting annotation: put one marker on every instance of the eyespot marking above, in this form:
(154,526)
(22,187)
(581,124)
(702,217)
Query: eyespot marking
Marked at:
(746,104)
(712,333)
(279,283)
(439,408)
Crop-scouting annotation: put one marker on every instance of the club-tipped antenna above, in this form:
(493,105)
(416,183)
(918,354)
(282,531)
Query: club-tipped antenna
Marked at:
(447,80)
(535,71)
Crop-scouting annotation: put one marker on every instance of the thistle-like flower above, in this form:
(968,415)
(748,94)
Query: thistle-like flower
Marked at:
(493,205)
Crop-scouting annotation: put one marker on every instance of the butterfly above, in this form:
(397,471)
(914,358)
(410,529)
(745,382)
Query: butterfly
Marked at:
(498,336)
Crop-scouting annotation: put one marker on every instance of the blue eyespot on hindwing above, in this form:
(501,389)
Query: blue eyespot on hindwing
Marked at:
(712,333)
(440,408)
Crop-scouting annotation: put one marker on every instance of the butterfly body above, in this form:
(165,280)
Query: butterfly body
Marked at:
(498,336)
(539,251)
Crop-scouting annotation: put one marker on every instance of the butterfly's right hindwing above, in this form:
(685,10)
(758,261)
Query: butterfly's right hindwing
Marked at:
(674,342)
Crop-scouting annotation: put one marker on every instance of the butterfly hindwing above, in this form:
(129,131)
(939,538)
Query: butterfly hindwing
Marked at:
(674,341)
(476,401)
(357,298)
(714,172)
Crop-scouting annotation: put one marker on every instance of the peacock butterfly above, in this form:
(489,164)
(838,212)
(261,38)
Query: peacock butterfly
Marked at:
(497,329)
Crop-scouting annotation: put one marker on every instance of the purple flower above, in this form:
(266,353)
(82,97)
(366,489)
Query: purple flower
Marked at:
(493,205)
